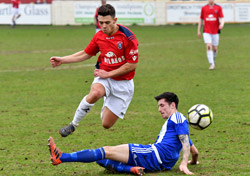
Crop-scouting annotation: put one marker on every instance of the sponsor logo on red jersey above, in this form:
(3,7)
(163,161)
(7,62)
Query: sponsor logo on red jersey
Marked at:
(111,58)
(211,18)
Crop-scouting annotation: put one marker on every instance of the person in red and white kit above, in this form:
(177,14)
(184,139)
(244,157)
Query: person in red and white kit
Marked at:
(212,16)
(98,27)
(15,11)
(114,73)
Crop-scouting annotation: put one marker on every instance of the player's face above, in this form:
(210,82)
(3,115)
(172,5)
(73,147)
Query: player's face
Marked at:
(210,1)
(165,108)
(108,24)
(103,2)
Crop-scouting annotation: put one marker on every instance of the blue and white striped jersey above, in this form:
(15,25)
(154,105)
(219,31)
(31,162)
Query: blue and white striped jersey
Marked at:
(168,146)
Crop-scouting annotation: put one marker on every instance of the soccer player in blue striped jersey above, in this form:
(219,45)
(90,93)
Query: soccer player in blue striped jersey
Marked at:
(137,158)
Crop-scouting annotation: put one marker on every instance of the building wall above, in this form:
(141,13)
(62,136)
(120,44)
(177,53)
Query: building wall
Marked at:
(27,1)
(62,12)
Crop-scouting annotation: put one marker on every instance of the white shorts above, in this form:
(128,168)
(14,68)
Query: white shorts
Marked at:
(211,38)
(118,95)
(15,11)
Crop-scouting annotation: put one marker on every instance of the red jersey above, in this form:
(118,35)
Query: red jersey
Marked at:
(96,17)
(15,3)
(115,50)
(210,15)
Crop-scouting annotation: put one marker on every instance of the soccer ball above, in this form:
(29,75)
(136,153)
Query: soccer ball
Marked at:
(200,116)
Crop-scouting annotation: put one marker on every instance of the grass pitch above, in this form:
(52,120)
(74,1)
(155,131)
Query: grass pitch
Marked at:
(36,100)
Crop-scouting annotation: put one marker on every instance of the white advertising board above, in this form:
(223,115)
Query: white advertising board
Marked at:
(242,12)
(126,12)
(30,14)
(186,13)
(190,12)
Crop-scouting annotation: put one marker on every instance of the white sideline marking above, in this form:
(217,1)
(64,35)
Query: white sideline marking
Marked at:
(164,43)
(47,69)
(34,51)
(84,65)
(68,49)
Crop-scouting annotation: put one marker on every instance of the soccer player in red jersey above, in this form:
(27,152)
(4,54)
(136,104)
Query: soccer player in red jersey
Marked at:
(98,27)
(213,20)
(114,73)
(15,11)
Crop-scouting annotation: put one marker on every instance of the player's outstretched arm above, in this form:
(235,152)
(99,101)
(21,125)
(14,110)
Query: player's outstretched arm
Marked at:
(76,57)
(128,67)
(194,155)
(186,151)
(222,22)
(199,28)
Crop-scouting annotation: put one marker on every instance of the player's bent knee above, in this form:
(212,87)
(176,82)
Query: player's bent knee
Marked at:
(107,125)
(209,47)
(95,94)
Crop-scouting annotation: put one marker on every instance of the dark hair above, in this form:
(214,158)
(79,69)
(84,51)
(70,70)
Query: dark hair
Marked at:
(169,97)
(106,10)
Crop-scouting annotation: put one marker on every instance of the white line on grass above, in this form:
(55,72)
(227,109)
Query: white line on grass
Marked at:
(172,42)
(142,44)
(46,69)
(70,49)
(85,65)
(34,51)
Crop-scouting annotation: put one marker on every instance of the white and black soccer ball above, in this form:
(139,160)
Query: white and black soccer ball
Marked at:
(200,116)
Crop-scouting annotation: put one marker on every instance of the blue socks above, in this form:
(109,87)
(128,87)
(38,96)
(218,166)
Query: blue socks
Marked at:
(85,156)
(97,155)
(114,165)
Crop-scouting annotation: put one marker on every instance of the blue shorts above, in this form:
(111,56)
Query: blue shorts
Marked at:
(144,156)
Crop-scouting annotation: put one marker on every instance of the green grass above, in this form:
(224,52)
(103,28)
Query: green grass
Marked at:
(35,100)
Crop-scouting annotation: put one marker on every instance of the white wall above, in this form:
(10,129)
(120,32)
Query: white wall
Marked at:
(63,12)
(185,12)
(30,14)
(160,12)
(165,12)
